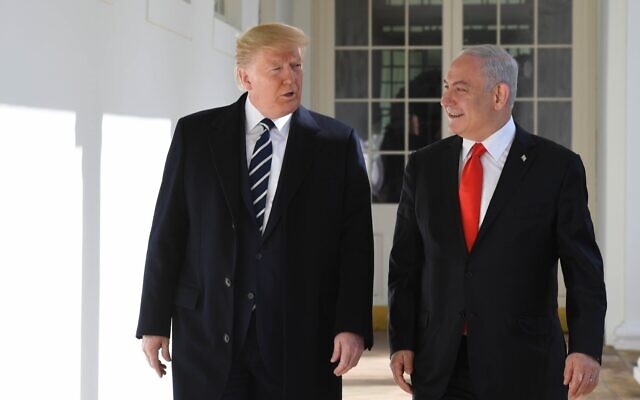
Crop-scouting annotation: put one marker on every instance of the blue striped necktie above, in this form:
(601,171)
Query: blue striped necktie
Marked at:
(259,171)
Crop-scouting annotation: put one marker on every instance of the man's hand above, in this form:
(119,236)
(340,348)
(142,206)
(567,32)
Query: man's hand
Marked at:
(150,347)
(401,363)
(347,347)
(581,373)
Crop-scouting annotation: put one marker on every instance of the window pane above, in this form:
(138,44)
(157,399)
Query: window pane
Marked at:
(388,22)
(523,114)
(351,27)
(554,121)
(480,19)
(425,73)
(554,68)
(388,125)
(356,115)
(388,74)
(425,120)
(425,23)
(554,21)
(351,74)
(516,22)
(386,177)
(524,57)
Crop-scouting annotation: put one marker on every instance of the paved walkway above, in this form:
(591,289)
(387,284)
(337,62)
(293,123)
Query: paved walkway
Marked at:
(371,379)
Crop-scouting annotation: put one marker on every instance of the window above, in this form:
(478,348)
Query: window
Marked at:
(388,71)
(229,11)
(389,60)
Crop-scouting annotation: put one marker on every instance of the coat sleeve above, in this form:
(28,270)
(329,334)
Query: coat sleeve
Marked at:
(405,264)
(166,248)
(355,292)
(581,264)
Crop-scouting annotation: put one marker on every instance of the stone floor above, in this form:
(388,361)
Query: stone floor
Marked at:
(371,379)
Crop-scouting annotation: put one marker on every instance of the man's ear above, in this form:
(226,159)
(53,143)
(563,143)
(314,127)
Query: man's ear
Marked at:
(500,95)
(244,79)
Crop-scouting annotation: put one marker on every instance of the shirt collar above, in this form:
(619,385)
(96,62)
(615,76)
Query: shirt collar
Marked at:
(253,117)
(496,143)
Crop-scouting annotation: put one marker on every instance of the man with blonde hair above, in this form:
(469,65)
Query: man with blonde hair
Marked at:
(260,254)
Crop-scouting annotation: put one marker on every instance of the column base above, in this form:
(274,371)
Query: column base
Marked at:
(627,336)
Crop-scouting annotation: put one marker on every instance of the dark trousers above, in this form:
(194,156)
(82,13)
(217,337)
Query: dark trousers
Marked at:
(249,379)
(460,386)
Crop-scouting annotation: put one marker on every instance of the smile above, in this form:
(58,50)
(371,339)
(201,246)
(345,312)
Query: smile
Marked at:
(454,115)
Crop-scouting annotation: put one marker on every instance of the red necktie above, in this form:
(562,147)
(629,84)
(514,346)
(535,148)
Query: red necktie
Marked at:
(469,192)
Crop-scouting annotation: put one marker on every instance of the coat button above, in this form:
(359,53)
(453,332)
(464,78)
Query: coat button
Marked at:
(227,282)
(250,296)
(233,226)
(469,274)
(461,313)
(226,338)
(259,256)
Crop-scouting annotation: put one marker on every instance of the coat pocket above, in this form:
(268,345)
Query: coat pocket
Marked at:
(187,297)
(535,325)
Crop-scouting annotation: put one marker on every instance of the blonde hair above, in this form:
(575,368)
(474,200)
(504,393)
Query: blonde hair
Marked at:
(276,36)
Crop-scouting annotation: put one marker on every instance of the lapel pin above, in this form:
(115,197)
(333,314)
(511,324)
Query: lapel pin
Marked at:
(523,158)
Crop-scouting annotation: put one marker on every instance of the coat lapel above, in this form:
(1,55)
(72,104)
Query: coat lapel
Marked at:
(451,181)
(514,170)
(226,143)
(296,164)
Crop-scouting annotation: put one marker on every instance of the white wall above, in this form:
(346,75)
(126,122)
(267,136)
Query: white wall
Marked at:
(89,93)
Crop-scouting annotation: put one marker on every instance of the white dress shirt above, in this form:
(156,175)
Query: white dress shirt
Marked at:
(279,137)
(497,145)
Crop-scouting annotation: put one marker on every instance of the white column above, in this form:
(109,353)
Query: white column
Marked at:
(618,163)
(627,334)
(611,158)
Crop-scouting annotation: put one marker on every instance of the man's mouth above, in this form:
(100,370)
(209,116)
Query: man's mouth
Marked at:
(453,114)
(289,95)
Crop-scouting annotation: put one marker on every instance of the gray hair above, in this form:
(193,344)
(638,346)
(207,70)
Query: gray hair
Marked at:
(499,66)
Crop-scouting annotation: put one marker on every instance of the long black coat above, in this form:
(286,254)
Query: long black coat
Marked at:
(322,203)
(506,288)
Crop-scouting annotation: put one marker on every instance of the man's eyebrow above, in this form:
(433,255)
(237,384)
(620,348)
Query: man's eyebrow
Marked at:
(456,83)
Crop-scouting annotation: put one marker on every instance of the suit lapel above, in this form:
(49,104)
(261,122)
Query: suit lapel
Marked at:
(226,143)
(450,190)
(514,169)
(295,166)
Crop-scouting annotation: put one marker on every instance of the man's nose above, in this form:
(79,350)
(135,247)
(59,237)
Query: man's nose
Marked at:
(445,100)
(289,74)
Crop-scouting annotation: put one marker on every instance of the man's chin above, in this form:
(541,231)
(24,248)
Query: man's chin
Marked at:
(452,126)
(290,106)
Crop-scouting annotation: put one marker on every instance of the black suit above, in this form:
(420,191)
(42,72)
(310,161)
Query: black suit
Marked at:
(506,288)
(311,272)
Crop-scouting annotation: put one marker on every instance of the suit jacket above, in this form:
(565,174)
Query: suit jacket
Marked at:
(506,287)
(322,209)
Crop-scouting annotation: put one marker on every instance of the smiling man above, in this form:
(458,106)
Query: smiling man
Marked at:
(260,255)
(484,217)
